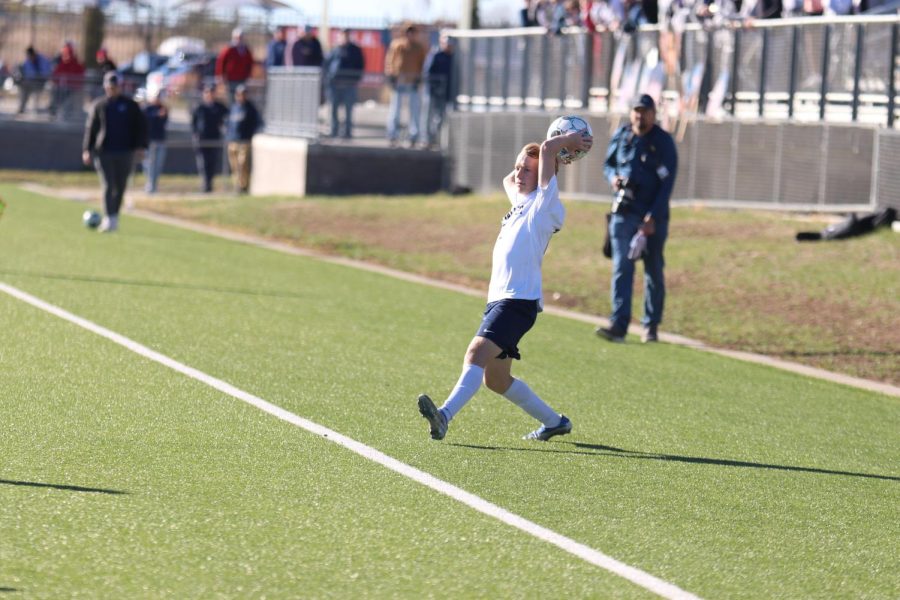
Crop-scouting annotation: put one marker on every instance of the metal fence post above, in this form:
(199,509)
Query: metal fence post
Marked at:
(524,75)
(892,75)
(823,89)
(735,70)
(762,71)
(507,60)
(857,70)
(489,71)
(610,63)
(470,79)
(545,63)
(564,60)
(588,73)
(792,83)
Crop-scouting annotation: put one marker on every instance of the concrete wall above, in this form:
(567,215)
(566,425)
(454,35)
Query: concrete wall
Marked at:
(57,147)
(294,166)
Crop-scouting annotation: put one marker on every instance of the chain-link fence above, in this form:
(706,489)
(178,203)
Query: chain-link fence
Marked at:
(812,166)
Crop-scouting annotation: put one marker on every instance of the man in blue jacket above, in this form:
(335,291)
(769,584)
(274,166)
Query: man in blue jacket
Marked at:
(343,71)
(641,164)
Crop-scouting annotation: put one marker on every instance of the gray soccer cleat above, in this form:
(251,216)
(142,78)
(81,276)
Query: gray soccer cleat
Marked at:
(544,433)
(435,417)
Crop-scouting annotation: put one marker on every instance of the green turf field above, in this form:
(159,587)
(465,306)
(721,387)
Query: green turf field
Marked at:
(121,478)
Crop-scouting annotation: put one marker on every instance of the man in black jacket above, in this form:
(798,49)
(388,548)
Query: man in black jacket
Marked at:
(115,133)
(206,125)
(343,71)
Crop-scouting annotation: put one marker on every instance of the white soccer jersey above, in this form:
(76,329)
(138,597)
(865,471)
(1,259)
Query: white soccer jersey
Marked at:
(523,239)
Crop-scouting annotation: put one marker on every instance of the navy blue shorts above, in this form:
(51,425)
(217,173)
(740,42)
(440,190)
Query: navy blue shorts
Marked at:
(506,321)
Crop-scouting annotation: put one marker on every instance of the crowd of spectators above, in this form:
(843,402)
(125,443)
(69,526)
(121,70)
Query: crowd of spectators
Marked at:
(627,15)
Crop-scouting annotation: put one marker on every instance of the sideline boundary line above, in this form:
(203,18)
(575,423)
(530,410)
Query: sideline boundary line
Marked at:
(285,248)
(595,557)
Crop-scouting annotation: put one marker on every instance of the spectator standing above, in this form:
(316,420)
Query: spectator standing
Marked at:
(768,9)
(206,127)
(275,50)
(343,72)
(157,115)
(607,14)
(527,17)
(403,67)
(243,123)
(114,134)
(68,79)
(641,165)
(838,8)
(34,73)
(234,64)
(104,62)
(439,82)
(104,65)
(305,51)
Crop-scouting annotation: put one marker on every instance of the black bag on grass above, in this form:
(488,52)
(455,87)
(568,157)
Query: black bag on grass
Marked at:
(852,226)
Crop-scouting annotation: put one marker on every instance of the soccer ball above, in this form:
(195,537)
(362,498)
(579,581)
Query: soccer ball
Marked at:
(563,125)
(91,219)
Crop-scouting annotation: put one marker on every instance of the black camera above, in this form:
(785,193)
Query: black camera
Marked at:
(624,197)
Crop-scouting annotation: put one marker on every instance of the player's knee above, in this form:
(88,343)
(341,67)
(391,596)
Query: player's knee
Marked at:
(497,382)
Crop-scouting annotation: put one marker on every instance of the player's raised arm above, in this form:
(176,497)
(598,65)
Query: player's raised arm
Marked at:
(509,185)
(574,141)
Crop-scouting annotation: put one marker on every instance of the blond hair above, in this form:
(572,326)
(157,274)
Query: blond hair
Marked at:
(533,150)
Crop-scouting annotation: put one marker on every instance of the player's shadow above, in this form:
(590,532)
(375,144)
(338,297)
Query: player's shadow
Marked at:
(156,284)
(7,589)
(68,488)
(611,451)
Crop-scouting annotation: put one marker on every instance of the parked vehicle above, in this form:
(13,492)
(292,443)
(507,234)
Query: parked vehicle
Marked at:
(187,67)
(134,73)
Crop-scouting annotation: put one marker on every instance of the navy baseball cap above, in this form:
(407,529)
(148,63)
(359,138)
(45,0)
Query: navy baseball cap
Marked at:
(111,78)
(644,101)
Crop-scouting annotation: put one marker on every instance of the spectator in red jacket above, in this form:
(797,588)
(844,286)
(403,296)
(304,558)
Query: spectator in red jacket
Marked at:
(67,78)
(234,64)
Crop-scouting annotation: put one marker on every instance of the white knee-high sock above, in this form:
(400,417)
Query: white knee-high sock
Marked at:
(521,395)
(468,384)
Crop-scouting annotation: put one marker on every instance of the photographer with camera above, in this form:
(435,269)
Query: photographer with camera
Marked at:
(641,164)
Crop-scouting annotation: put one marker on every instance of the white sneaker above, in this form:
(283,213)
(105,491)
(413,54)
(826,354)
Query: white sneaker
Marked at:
(108,224)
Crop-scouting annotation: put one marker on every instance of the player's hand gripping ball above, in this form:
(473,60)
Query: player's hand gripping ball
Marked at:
(564,125)
(91,219)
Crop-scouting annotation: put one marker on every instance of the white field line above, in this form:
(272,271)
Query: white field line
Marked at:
(760,359)
(590,555)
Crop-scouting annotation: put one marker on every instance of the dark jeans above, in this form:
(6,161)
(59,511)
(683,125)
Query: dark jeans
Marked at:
(342,96)
(114,169)
(26,89)
(209,159)
(621,229)
(434,117)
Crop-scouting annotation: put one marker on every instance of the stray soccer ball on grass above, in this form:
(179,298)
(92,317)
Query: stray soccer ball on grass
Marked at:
(91,219)
(568,124)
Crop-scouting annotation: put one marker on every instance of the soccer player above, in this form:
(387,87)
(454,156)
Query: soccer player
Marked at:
(514,294)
